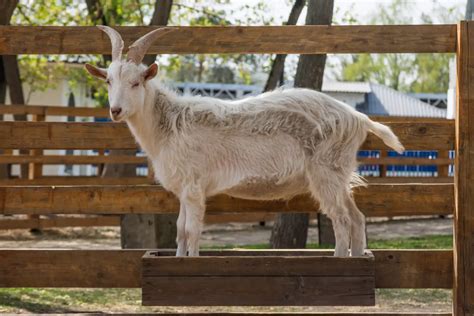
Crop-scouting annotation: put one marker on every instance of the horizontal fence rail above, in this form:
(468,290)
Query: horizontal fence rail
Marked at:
(416,135)
(122,268)
(236,39)
(77,160)
(401,199)
(54,110)
(56,222)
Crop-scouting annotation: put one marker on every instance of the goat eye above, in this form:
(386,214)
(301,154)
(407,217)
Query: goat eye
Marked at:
(108,81)
(136,84)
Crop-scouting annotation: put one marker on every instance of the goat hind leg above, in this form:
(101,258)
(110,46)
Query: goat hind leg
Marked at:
(358,238)
(330,192)
(342,225)
(181,233)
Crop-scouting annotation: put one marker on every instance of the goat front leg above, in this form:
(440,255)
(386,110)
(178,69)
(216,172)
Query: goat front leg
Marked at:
(194,203)
(181,233)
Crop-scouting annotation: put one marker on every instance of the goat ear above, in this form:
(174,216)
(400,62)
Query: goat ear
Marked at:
(96,72)
(151,72)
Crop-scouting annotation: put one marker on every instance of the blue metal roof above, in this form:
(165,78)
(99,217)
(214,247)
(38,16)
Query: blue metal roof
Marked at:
(383,100)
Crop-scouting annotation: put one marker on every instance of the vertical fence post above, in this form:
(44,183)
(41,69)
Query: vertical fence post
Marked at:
(443,170)
(463,284)
(35,170)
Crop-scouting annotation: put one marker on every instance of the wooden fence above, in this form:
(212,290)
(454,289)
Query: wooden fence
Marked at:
(121,268)
(35,160)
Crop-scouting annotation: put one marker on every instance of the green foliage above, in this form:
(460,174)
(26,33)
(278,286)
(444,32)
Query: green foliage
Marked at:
(39,73)
(43,72)
(404,72)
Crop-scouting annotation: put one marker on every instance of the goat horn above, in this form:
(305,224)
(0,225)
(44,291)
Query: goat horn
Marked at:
(137,51)
(115,40)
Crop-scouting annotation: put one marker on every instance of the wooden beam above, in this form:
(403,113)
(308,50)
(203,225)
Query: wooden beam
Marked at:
(60,135)
(377,200)
(406,180)
(75,180)
(464,175)
(236,39)
(72,160)
(122,268)
(435,135)
(42,223)
(94,180)
(404,161)
(48,110)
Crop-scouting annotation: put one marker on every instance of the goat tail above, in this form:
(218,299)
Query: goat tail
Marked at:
(385,133)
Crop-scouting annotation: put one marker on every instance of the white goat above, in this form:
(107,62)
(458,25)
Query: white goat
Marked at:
(273,146)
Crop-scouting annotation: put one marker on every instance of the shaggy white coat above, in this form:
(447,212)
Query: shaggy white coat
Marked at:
(273,146)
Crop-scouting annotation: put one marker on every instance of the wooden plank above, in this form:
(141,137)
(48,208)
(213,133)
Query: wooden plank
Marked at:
(436,135)
(306,313)
(443,169)
(60,135)
(122,268)
(412,180)
(75,180)
(377,200)
(16,40)
(258,291)
(72,160)
(42,223)
(463,297)
(413,269)
(406,161)
(49,110)
(283,265)
(241,218)
(93,180)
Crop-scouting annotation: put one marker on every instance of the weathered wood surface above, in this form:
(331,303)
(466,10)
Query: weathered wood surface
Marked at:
(405,161)
(285,265)
(436,135)
(306,313)
(258,291)
(87,160)
(60,135)
(48,110)
(75,180)
(413,268)
(377,200)
(42,223)
(463,298)
(93,180)
(236,39)
(258,280)
(122,268)
(72,159)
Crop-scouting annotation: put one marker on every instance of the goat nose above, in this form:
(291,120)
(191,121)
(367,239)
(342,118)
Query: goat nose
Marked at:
(116,110)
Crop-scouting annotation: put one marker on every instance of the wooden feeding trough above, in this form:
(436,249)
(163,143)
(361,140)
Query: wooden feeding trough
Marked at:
(257,278)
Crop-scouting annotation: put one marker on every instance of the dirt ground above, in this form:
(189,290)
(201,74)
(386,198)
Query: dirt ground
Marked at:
(128,300)
(216,235)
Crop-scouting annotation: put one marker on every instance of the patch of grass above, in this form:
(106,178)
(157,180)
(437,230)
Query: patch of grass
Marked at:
(64,300)
(426,242)
(21,300)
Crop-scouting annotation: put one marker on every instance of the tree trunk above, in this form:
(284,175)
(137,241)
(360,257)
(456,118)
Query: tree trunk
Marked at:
(160,16)
(12,74)
(278,65)
(4,168)
(469,9)
(291,230)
